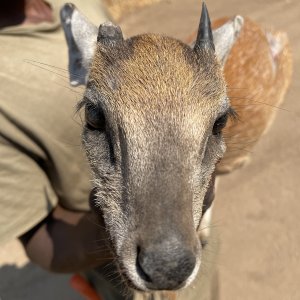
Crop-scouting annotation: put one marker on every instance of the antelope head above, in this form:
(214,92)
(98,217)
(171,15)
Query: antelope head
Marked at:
(154,112)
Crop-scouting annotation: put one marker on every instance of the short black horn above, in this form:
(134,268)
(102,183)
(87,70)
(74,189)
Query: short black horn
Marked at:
(109,34)
(204,37)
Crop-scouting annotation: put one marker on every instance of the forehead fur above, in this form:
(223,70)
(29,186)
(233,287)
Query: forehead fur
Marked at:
(156,63)
(156,73)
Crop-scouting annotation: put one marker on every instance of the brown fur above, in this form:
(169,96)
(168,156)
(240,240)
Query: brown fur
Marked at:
(154,111)
(256,94)
(161,99)
(169,74)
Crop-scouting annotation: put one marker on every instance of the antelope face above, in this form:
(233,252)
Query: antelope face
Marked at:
(154,111)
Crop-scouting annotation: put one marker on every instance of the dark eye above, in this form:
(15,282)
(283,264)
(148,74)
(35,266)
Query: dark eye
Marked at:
(220,124)
(94,117)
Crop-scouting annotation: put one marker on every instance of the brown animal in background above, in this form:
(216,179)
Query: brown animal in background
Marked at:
(258,73)
(155,109)
(118,8)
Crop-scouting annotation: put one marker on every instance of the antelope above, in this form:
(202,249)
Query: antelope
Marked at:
(155,109)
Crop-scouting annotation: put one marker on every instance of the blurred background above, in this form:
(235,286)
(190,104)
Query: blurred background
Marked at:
(257,210)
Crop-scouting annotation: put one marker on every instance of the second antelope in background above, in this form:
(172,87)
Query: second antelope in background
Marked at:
(155,109)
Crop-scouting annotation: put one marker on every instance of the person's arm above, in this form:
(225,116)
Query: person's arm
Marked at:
(23,12)
(68,241)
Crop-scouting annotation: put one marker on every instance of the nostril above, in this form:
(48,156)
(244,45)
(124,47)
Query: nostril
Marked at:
(139,268)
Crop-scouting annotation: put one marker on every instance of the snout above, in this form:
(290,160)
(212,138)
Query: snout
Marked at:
(166,264)
(161,248)
(165,268)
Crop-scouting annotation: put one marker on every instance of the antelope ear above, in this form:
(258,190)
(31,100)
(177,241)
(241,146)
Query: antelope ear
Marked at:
(81,36)
(225,37)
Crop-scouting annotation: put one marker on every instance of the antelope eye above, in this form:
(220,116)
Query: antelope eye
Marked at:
(220,124)
(94,117)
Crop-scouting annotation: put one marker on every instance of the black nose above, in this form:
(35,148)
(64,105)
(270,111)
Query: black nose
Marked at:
(165,268)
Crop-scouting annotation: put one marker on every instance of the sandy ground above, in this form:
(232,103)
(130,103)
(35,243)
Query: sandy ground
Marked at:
(257,211)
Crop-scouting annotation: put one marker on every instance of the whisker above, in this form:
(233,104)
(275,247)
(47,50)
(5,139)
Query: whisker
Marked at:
(69,88)
(102,246)
(236,88)
(231,142)
(226,136)
(241,143)
(209,226)
(33,62)
(116,276)
(239,149)
(91,219)
(102,258)
(44,64)
(256,101)
(58,74)
(107,268)
(100,240)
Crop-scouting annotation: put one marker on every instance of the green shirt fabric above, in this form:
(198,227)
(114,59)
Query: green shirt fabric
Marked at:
(41,159)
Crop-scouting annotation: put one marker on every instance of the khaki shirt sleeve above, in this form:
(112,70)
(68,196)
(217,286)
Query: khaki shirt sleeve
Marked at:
(26,195)
(41,160)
